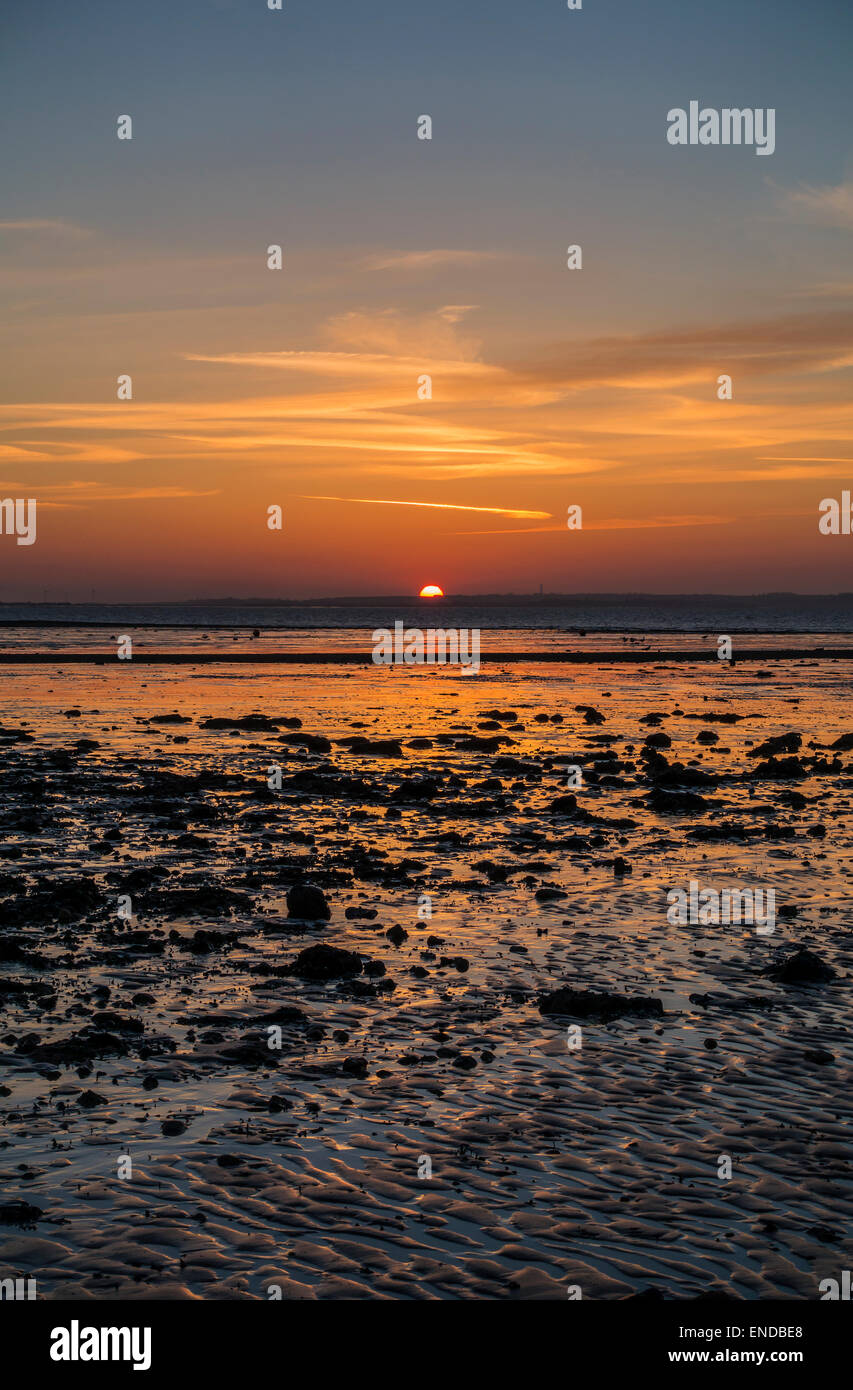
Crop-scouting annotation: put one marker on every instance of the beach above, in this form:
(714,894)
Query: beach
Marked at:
(427,876)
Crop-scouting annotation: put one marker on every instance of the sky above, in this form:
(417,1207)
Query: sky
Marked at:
(402,258)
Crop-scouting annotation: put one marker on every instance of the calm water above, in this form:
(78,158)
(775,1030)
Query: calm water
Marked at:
(524,623)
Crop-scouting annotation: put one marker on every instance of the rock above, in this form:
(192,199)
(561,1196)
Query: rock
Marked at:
(416,789)
(780,743)
(90,1100)
(660,740)
(119,1023)
(590,714)
(260,723)
(354,1066)
(482,743)
(581,1003)
(397,935)
(377,747)
(307,901)
(288,1013)
(278,1103)
(323,962)
(19,1214)
(496,873)
(781,769)
(315,743)
(802,968)
(171,1128)
(676,802)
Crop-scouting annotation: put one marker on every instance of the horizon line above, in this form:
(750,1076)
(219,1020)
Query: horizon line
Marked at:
(502,596)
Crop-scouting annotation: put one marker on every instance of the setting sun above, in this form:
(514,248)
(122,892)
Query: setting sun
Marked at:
(431,591)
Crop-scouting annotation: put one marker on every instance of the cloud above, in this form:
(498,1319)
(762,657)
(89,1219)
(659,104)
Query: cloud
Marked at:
(350,364)
(672,358)
(418,336)
(830,205)
(427,260)
(88,491)
(441,506)
(827,289)
(46,224)
(648,523)
(641,407)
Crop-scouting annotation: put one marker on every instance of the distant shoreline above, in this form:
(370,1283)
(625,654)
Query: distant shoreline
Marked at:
(587,630)
(773,655)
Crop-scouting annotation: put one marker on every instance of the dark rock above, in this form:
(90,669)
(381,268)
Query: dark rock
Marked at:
(676,803)
(781,769)
(660,740)
(579,1003)
(377,747)
(780,743)
(803,967)
(307,901)
(323,962)
(90,1100)
(19,1214)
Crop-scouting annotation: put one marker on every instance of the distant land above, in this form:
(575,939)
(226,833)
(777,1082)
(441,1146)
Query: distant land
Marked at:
(357,600)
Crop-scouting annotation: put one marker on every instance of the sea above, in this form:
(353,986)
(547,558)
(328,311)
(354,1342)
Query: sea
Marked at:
(523,622)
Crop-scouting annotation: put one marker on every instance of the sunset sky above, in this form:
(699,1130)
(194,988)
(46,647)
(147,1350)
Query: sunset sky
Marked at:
(404,257)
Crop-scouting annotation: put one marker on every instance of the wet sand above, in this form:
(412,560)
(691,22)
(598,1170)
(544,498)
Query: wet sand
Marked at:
(422,1038)
(558,657)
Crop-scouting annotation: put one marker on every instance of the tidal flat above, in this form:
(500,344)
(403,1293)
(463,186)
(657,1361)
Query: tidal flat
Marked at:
(396,907)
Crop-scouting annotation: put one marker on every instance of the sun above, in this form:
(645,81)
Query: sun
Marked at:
(431,591)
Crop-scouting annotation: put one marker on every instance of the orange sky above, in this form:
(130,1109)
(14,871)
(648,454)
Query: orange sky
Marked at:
(299,387)
(679,490)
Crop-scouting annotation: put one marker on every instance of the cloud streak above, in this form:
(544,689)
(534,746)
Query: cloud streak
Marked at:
(439,506)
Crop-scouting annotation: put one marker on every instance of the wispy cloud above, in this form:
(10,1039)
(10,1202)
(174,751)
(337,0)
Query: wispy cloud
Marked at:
(633,523)
(828,205)
(672,358)
(439,506)
(427,260)
(350,364)
(89,491)
(46,224)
